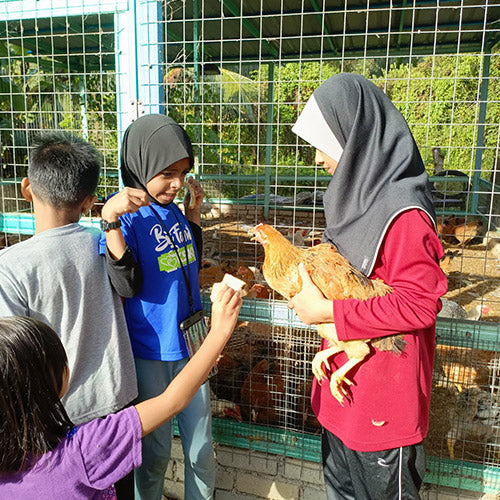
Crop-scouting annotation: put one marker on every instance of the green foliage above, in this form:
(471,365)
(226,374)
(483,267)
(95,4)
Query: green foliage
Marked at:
(40,92)
(237,126)
(439,97)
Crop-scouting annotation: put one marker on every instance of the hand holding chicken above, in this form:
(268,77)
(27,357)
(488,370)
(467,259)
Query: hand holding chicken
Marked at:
(310,304)
(334,278)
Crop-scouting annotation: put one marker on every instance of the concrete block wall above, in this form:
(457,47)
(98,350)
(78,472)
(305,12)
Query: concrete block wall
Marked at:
(252,213)
(251,475)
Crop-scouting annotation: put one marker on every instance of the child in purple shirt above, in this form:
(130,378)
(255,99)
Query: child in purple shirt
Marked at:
(42,454)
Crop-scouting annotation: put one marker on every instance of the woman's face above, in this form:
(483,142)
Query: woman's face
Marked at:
(325,161)
(164,186)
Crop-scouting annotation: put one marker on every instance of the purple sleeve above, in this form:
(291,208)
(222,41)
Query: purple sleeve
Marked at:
(110,447)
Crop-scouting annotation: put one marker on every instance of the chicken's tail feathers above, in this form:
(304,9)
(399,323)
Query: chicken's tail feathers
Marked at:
(375,287)
(364,281)
(394,343)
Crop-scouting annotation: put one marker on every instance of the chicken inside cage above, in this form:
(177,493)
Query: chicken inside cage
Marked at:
(465,404)
(476,415)
(456,231)
(264,377)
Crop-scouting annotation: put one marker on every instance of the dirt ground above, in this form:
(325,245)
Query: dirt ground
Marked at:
(474,279)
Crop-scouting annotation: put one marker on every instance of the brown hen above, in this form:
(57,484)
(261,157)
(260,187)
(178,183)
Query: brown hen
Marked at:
(337,279)
(262,392)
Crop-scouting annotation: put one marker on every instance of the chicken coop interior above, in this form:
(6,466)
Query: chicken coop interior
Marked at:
(235,74)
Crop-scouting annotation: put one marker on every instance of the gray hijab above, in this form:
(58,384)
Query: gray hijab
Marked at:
(380,173)
(150,145)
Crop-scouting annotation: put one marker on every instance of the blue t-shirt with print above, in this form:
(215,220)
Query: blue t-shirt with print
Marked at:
(153,315)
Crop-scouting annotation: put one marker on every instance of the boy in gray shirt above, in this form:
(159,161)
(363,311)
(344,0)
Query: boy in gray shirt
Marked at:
(58,276)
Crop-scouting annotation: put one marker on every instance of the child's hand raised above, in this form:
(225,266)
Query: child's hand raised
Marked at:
(156,411)
(128,200)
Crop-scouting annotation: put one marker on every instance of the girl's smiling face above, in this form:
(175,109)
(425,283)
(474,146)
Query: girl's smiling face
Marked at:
(164,186)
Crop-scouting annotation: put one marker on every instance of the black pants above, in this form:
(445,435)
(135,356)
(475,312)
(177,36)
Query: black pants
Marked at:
(383,475)
(125,487)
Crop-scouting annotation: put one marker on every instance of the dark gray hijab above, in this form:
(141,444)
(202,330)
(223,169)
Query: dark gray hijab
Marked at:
(380,173)
(150,145)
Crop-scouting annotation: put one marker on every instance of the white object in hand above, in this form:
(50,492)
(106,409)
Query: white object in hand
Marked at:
(232,282)
(192,196)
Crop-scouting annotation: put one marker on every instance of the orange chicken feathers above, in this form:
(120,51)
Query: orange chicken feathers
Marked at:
(337,279)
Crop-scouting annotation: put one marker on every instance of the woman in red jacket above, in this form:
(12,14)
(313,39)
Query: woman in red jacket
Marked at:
(380,216)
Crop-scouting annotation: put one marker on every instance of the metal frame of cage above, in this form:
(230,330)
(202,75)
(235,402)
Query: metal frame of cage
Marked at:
(140,62)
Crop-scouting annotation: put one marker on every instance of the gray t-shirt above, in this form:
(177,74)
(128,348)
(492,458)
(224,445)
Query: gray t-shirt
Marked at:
(58,276)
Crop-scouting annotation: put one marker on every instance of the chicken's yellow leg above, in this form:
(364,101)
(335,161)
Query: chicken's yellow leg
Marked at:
(320,358)
(339,376)
(450,442)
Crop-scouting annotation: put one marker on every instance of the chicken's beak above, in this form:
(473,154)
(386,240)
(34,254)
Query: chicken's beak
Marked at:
(253,232)
(257,235)
(260,237)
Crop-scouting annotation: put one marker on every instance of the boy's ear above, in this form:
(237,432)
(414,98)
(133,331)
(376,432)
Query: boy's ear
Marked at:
(26,189)
(88,203)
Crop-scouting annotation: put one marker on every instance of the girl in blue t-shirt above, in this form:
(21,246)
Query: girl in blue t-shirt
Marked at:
(152,251)
(43,455)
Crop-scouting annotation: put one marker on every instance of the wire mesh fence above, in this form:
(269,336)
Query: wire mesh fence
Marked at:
(236,74)
(57,73)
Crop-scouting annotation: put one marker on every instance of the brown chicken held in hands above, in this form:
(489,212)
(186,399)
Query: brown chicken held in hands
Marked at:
(337,279)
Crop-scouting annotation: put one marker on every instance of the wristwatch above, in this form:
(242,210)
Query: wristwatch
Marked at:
(106,226)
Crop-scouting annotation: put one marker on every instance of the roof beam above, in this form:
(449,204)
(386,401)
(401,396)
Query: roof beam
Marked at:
(401,22)
(322,19)
(249,26)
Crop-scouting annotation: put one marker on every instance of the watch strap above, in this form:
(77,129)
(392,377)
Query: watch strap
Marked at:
(106,226)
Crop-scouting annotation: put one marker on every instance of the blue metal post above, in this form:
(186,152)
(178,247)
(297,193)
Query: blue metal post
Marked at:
(139,62)
(127,84)
(150,55)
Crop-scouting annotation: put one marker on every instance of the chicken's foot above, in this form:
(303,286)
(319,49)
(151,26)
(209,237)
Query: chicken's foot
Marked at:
(320,358)
(339,376)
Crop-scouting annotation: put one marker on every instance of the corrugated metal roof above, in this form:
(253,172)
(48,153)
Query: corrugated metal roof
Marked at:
(256,30)
(247,30)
